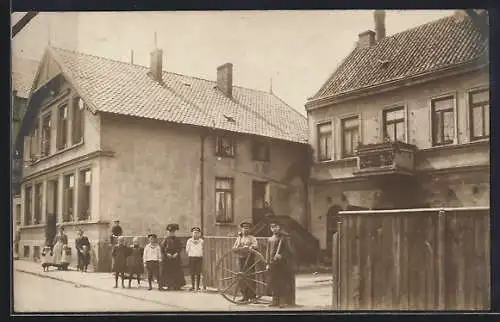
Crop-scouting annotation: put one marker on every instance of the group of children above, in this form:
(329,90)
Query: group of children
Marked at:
(161,262)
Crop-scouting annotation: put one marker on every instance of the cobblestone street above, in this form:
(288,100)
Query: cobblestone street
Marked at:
(72,291)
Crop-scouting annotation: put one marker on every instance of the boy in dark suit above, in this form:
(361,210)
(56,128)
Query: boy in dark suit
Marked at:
(280,263)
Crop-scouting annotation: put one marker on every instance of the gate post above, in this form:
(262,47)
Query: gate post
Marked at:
(335,270)
(441,260)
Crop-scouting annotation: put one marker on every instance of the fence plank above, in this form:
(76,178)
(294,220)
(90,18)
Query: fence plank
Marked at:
(469,261)
(335,269)
(357,260)
(486,262)
(430,278)
(440,261)
(404,283)
(396,260)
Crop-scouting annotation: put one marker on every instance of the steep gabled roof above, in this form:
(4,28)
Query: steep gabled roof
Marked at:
(127,89)
(23,74)
(443,43)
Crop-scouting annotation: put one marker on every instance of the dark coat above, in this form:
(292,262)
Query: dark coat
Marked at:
(172,273)
(282,270)
(120,254)
(135,264)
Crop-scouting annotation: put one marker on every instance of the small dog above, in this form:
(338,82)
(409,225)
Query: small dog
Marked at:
(46,258)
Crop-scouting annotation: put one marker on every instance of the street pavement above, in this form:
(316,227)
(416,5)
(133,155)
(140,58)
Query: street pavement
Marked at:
(73,291)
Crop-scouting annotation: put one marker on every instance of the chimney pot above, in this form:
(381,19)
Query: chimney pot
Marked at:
(366,39)
(225,79)
(155,65)
(379,17)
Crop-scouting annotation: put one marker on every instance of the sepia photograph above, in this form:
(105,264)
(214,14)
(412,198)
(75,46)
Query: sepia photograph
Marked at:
(250,161)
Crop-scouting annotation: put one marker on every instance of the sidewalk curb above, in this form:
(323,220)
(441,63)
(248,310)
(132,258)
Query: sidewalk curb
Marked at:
(102,289)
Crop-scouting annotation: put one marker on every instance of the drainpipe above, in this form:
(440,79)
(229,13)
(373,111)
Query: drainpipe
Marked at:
(202,181)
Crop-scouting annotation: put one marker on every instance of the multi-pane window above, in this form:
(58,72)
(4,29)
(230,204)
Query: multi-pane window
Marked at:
(84,191)
(77,124)
(62,129)
(34,141)
(18,215)
(52,198)
(394,124)
(46,130)
(479,103)
(68,197)
(443,121)
(350,136)
(27,205)
(38,203)
(325,141)
(260,150)
(224,146)
(224,200)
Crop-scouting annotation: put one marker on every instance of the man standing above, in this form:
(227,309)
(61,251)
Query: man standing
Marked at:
(81,241)
(242,245)
(116,231)
(280,263)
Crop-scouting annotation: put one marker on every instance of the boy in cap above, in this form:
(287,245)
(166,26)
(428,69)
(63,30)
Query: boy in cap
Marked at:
(194,250)
(151,258)
(279,258)
(120,253)
(116,231)
(243,243)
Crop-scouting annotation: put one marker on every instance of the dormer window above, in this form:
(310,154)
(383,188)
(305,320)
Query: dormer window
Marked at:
(77,124)
(224,146)
(46,129)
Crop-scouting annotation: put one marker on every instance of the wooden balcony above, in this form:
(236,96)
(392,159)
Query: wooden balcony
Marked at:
(385,159)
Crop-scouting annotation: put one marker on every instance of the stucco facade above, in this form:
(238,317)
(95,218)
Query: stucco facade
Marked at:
(453,175)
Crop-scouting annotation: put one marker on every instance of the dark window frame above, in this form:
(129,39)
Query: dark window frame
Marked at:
(62,126)
(328,154)
(37,215)
(220,150)
(350,130)
(261,150)
(28,202)
(46,134)
(222,190)
(78,122)
(68,207)
(84,185)
(395,122)
(435,120)
(485,106)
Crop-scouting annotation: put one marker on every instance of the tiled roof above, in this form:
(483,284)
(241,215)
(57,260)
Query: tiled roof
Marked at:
(442,43)
(23,74)
(123,88)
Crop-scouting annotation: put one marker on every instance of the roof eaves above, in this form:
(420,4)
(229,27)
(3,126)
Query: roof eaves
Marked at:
(433,74)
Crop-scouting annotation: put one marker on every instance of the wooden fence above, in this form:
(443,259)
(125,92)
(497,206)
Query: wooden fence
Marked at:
(415,259)
(214,248)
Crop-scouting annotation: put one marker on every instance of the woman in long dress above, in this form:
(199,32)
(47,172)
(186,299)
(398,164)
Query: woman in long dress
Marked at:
(172,273)
(60,241)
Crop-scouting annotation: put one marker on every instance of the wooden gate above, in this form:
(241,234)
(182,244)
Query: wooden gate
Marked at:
(412,259)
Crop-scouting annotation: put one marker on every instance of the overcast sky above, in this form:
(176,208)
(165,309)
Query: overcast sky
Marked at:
(297,49)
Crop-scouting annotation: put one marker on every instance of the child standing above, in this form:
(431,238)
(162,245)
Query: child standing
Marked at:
(46,258)
(194,250)
(85,258)
(135,263)
(151,258)
(120,253)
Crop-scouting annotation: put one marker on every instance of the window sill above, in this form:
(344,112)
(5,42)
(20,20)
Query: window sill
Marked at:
(82,222)
(58,152)
(31,226)
(455,146)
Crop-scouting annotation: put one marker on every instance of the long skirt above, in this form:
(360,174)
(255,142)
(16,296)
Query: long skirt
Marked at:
(282,284)
(57,253)
(172,274)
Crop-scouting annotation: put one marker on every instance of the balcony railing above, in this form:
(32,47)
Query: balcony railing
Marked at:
(386,158)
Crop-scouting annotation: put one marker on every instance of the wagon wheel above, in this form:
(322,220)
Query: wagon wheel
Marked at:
(231,280)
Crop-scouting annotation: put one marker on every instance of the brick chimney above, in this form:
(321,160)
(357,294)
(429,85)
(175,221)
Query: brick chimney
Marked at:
(366,39)
(155,65)
(225,79)
(379,17)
